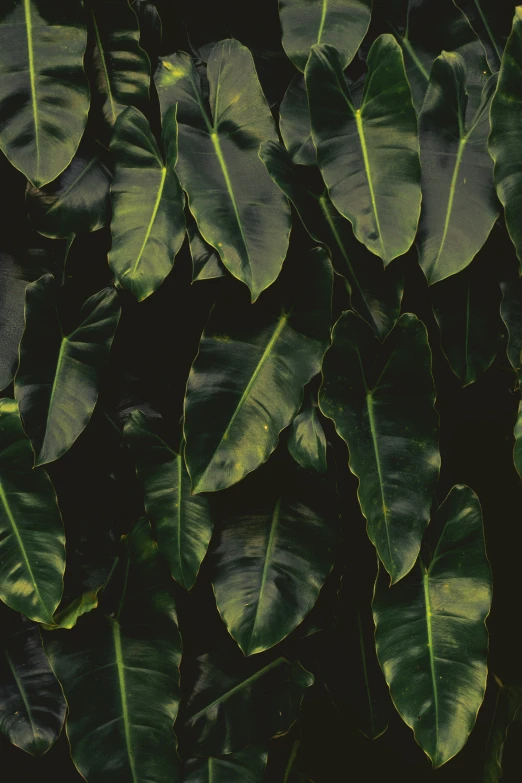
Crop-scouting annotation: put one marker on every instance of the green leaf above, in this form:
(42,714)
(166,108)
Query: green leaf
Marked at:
(341,23)
(459,204)
(246,383)
(506,116)
(294,123)
(517,453)
(148,224)
(182,522)
(431,635)
(70,614)
(491,21)
(307,441)
(353,152)
(32,707)
(206,263)
(381,399)
(233,704)
(511,312)
(32,563)
(44,91)
(56,368)
(238,209)
(120,675)
(509,701)
(245,766)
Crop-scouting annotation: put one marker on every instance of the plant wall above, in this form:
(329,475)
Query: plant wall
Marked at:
(261,332)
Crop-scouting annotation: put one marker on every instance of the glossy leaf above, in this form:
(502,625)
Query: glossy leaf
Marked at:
(247,382)
(148,224)
(353,153)
(70,614)
(44,93)
(506,116)
(233,705)
(459,204)
(59,375)
(32,552)
(206,263)
(511,312)
(307,441)
(431,635)
(182,522)
(382,402)
(245,766)
(491,21)
(509,702)
(238,209)
(125,666)
(294,123)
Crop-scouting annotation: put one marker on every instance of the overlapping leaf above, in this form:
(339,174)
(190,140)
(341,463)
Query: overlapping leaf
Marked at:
(307,441)
(491,21)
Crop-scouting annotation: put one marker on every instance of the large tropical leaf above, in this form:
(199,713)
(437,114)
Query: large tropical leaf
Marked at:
(506,116)
(491,21)
(247,382)
(307,441)
(32,549)
(148,224)
(120,674)
(509,702)
(44,93)
(182,522)
(245,766)
(341,23)
(381,399)
(238,209)
(459,204)
(294,123)
(206,263)
(58,378)
(373,178)
(431,635)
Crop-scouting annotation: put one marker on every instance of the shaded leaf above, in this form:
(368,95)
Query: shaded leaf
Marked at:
(511,312)
(70,614)
(491,21)
(206,263)
(509,701)
(245,766)
(307,441)
(294,123)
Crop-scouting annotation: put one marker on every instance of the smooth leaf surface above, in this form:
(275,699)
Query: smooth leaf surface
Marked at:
(511,312)
(32,549)
(295,125)
(59,375)
(238,209)
(44,93)
(431,635)
(206,263)
(381,400)
(247,381)
(491,21)
(373,178)
(245,766)
(509,702)
(307,441)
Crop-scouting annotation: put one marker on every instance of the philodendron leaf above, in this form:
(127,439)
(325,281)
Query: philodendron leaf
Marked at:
(44,91)
(182,522)
(233,704)
(120,675)
(238,209)
(506,116)
(245,766)
(381,399)
(509,702)
(32,558)
(373,178)
(491,21)
(307,441)
(148,223)
(341,23)
(294,123)
(247,381)
(459,204)
(511,312)
(71,613)
(32,707)
(206,263)
(430,632)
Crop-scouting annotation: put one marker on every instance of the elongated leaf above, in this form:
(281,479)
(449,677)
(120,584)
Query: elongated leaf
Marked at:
(509,702)
(382,402)
(294,123)
(181,521)
(459,205)
(44,93)
(491,21)
(206,263)
(32,707)
(233,705)
(511,312)
(431,635)
(247,382)
(373,178)
(148,224)
(59,374)
(506,116)
(517,453)
(307,441)
(245,766)
(32,553)
(375,293)
(238,209)
(341,23)
(120,675)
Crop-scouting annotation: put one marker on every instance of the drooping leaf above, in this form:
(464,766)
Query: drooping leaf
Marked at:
(58,378)
(246,384)
(509,702)
(307,441)
(459,205)
(148,224)
(375,293)
(181,521)
(511,312)
(70,614)
(32,555)
(245,766)
(44,93)
(120,675)
(381,399)
(341,23)
(238,209)
(431,635)
(294,123)
(517,452)
(206,263)
(234,704)
(491,21)
(373,178)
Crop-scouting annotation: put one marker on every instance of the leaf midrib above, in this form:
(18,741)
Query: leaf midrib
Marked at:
(427,601)
(24,698)
(120,666)
(151,221)
(104,66)
(266,566)
(32,78)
